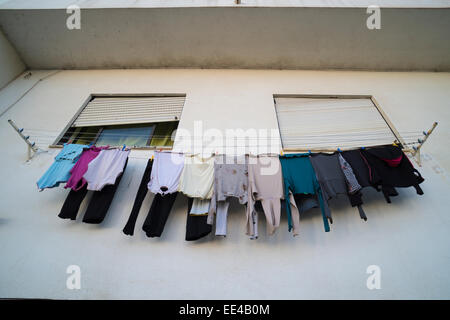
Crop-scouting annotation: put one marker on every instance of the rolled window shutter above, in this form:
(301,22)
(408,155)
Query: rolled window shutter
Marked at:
(102,111)
(324,123)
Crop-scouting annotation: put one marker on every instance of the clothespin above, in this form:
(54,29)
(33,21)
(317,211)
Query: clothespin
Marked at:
(339,149)
(394,144)
(153,157)
(123,148)
(362,148)
(281,152)
(309,152)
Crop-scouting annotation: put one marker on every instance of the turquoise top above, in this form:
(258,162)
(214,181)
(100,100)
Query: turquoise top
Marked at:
(299,177)
(59,171)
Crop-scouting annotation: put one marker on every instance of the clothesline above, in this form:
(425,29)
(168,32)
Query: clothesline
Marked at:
(321,135)
(43,138)
(262,147)
(58,131)
(307,140)
(210,183)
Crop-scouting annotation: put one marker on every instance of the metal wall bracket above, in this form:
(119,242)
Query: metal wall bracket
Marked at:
(31,147)
(415,152)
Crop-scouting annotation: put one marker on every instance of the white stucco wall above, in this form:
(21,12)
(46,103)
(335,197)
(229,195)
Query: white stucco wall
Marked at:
(408,239)
(10,63)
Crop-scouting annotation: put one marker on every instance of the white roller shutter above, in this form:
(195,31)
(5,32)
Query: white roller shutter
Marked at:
(103,111)
(330,123)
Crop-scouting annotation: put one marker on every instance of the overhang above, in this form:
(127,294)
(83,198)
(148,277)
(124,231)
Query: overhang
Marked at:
(220,34)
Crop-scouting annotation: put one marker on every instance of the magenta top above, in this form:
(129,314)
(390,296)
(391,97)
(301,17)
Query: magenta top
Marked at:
(76,180)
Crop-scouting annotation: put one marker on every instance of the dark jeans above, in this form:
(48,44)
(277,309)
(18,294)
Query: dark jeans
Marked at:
(98,206)
(158,214)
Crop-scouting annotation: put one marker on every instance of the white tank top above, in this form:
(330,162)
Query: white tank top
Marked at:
(105,168)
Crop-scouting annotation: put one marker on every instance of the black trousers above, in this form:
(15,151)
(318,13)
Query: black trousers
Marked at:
(98,206)
(196,226)
(158,214)
(72,203)
(140,196)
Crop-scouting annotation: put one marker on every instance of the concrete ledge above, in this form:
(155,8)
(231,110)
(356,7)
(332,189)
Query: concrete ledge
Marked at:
(224,37)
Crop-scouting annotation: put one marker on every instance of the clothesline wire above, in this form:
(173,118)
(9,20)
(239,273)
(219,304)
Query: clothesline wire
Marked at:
(368,135)
(322,138)
(258,146)
(321,134)
(342,143)
(44,137)
(58,131)
(306,140)
(374,132)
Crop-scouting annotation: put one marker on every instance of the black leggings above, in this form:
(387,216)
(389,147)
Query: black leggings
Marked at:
(140,196)
(196,225)
(158,214)
(98,206)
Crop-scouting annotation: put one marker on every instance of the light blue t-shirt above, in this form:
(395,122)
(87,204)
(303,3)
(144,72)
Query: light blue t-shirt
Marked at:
(59,171)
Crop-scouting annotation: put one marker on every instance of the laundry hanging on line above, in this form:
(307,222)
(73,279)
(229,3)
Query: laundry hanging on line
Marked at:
(302,181)
(59,171)
(230,181)
(265,185)
(99,170)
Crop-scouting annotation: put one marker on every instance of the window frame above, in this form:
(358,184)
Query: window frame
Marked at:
(112,95)
(336,96)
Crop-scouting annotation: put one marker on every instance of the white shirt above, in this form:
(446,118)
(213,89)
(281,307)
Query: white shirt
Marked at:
(105,168)
(166,171)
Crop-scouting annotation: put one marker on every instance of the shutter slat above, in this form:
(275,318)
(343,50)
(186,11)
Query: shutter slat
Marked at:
(324,123)
(103,111)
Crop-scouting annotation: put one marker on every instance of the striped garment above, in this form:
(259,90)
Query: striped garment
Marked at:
(352,182)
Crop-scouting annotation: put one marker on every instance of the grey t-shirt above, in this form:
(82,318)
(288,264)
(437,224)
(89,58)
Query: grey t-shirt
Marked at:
(329,174)
(231,178)
(332,179)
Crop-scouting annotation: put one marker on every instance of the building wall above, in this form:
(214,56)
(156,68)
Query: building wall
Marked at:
(408,239)
(10,63)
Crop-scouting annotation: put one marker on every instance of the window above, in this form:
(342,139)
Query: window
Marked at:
(311,122)
(136,121)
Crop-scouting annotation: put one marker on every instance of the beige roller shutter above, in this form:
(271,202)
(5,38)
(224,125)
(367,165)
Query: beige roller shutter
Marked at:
(101,111)
(330,123)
